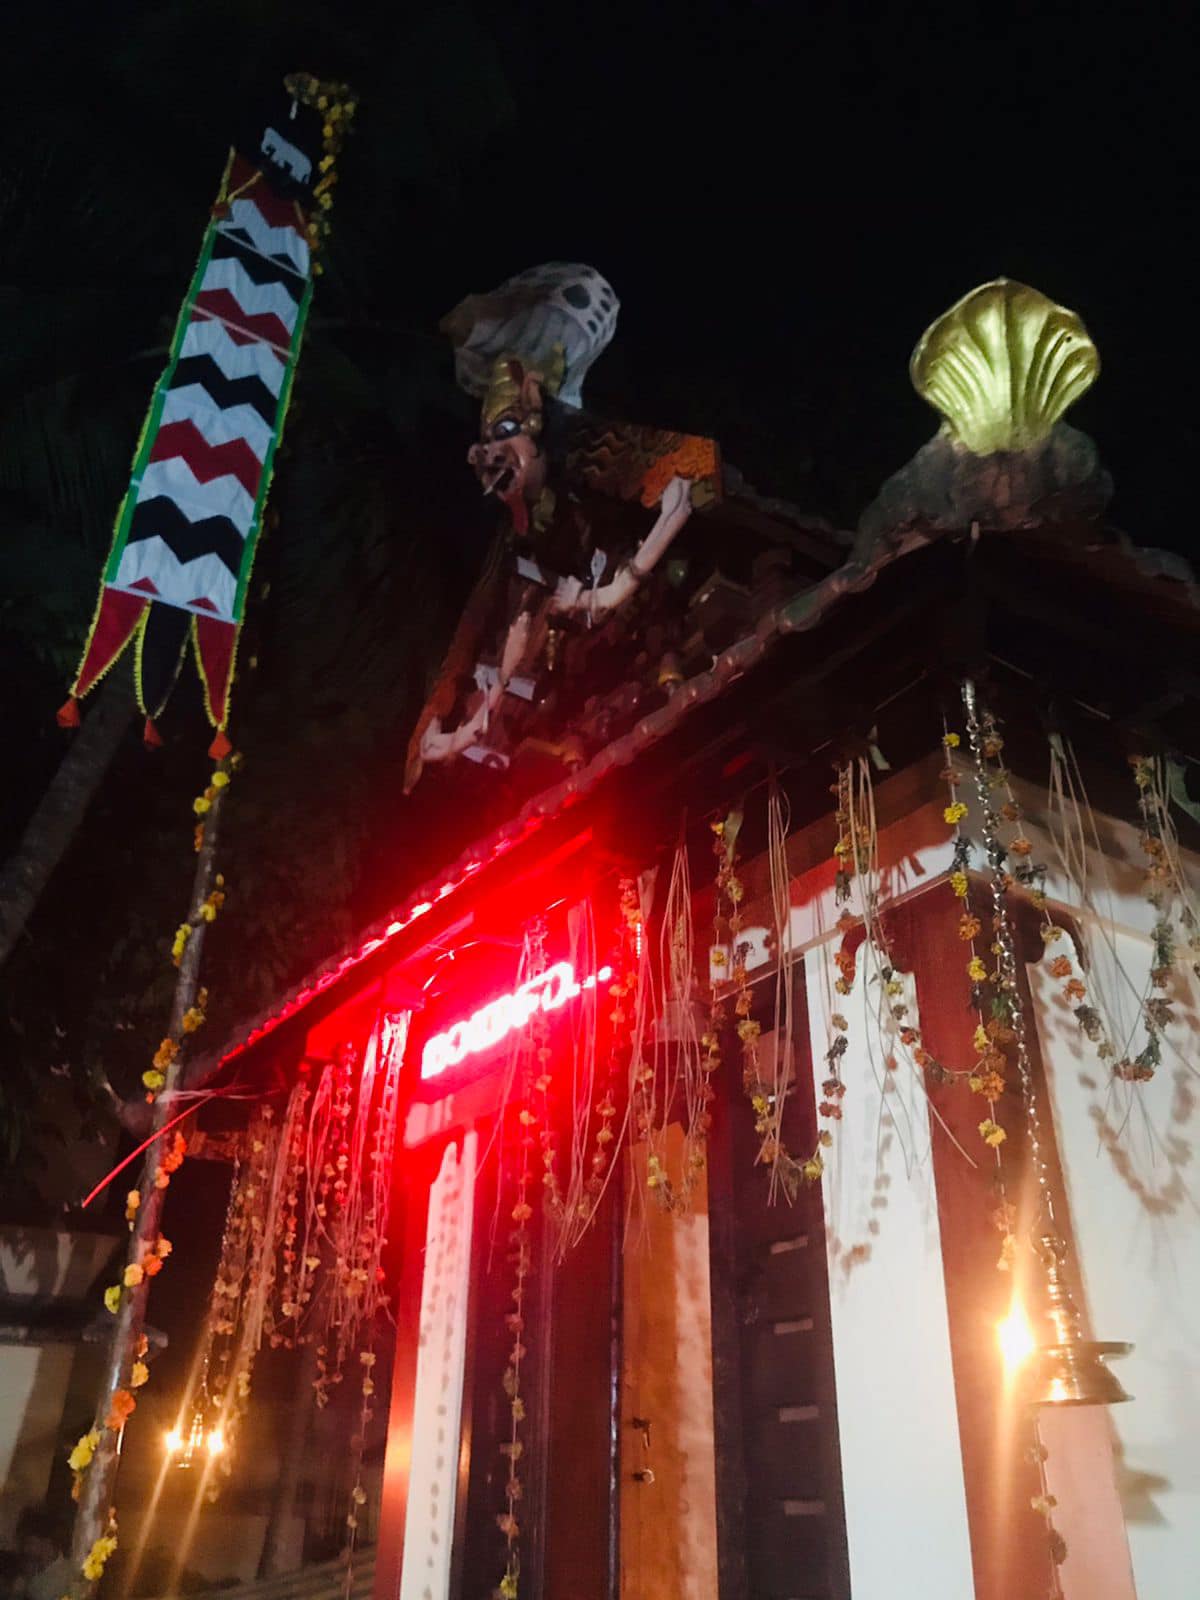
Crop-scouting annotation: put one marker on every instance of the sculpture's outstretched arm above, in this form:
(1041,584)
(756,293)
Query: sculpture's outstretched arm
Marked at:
(570,596)
(439,745)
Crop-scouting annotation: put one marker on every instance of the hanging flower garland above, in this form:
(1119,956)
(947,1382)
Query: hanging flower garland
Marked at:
(520,1258)
(102,1549)
(337,104)
(727,966)
(193,1018)
(1031,875)
(684,1063)
(847,853)
(1164,881)
(622,994)
(861,837)
(301,1253)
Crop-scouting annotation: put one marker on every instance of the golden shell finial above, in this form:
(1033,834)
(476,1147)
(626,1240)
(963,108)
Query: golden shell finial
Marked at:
(1002,366)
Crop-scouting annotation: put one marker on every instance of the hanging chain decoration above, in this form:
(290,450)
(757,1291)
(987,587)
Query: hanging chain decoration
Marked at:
(985,744)
(989,1076)
(1006,997)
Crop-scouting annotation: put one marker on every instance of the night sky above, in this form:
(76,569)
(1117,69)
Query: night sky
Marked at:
(783,196)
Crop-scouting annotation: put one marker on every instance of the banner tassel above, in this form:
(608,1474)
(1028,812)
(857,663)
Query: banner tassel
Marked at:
(151,737)
(67,715)
(220,747)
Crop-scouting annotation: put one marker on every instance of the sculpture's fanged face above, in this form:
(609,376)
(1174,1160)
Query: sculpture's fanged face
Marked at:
(509,460)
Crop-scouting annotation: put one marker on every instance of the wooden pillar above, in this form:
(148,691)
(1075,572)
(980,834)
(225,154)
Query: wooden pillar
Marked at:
(413,1182)
(1009,1549)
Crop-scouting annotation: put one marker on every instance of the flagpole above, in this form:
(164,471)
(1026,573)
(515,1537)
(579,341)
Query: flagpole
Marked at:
(98,1482)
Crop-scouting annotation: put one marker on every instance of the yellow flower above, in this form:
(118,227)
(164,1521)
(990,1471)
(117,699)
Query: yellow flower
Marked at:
(976,970)
(139,1374)
(958,882)
(201,805)
(80,1458)
(133,1275)
(813,1168)
(132,1201)
(97,1556)
(951,741)
(165,1054)
(991,1132)
(193,1018)
(112,1298)
(153,1079)
(208,912)
(955,813)
(164,1248)
(980,1041)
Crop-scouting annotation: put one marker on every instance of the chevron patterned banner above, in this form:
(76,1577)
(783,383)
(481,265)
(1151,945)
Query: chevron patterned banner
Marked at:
(186,532)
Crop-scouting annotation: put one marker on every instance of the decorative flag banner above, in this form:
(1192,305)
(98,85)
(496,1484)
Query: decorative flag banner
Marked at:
(183,546)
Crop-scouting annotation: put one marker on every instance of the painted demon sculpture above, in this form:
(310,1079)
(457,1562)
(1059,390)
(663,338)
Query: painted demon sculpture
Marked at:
(576,492)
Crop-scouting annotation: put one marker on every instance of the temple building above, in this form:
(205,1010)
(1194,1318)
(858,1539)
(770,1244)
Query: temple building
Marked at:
(773,1130)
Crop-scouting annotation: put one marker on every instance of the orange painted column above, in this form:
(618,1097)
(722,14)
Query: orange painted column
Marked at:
(413,1183)
(1009,1549)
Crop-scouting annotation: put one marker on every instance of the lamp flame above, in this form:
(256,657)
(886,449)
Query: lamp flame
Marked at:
(1016,1339)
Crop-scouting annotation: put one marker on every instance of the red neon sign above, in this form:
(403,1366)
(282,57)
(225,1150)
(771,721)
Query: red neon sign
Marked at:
(484,1030)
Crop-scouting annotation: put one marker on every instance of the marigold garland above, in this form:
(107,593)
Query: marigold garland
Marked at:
(520,1257)
(1162,883)
(103,1547)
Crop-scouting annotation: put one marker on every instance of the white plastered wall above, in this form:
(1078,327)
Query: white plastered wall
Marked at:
(1136,1216)
(902,1473)
(441,1356)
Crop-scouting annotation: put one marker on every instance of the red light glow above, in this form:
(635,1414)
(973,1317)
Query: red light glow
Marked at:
(504,1015)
